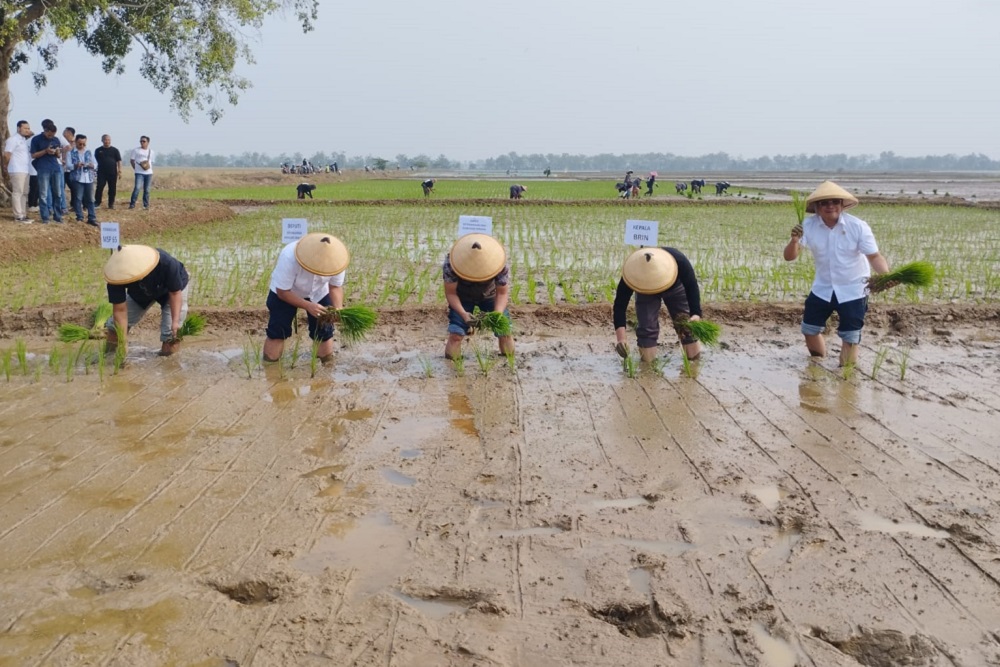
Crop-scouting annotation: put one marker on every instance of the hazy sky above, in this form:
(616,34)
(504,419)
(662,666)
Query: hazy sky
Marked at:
(474,79)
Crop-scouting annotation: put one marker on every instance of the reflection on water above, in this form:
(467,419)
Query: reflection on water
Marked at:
(873,522)
(397,478)
(776,652)
(436,609)
(466,425)
(641,582)
(769,496)
(619,503)
(458,402)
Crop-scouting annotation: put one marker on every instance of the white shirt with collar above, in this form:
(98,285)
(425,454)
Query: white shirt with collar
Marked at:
(289,275)
(840,255)
(20,154)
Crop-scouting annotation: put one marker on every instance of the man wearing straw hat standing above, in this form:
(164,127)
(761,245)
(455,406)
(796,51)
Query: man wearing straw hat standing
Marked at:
(475,274)
(138,276)
(309,275)
(845,253)
(657,275)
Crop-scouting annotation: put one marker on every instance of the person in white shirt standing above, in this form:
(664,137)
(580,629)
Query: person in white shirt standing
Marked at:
(17,158)
(845,254)
(142,162)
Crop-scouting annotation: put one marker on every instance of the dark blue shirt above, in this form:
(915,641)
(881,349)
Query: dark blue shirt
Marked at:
(46,163)
(168,276)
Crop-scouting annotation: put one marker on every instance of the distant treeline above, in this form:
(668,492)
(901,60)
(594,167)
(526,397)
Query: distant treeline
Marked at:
(538,162)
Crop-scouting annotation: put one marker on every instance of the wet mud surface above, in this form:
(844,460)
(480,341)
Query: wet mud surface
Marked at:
(763,510)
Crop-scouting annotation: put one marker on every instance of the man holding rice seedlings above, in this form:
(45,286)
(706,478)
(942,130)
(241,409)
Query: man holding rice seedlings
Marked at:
(475,275)
(845,253)
(138,276)
(309,275)
(517,190)
(428,187)
(657,275)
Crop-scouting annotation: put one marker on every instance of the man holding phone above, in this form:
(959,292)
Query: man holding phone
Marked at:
(45,149)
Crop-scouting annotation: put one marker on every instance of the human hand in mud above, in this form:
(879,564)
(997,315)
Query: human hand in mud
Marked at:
(797,231)
(622,350)
(473,323)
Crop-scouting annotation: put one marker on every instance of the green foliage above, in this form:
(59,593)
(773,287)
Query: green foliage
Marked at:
(193,325)
(916,274)
(494,322)
(190,49)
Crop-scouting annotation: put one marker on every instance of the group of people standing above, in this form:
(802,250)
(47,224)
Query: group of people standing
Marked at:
(42,166)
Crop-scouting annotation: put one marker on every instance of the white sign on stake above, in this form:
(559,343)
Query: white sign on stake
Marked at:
(292,229)
(642,232)
(475,224)
(110,235)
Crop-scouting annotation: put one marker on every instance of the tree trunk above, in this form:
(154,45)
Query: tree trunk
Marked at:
(5,55)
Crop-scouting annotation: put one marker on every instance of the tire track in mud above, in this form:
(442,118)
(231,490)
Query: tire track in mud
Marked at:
(820,451)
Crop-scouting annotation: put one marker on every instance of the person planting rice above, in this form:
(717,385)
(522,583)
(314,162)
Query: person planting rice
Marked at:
(655,275)
(475,275)
(845,254)
(309,275)
(138,276)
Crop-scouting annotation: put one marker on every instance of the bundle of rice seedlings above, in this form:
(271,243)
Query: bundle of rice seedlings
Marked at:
(354,322)
(192,325)
(703,331)
(74,333)
(493,321)
(799,203)
(917,274)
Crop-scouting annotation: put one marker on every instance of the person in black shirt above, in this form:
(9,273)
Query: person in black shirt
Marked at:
(109,170)
(304,189)
(428,186)
(138,276)
(517,190)
(655,275)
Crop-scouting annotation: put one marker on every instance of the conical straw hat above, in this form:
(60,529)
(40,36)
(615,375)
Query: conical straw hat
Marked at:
(322,254)
(130,264)
(477,257)
(650,270)
(830,190)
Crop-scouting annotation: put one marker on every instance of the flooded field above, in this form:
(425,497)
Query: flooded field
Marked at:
(761,510)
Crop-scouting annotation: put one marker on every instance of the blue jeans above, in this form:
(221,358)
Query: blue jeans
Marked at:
(83,193)
(146,180)
(456,325)
(49,191)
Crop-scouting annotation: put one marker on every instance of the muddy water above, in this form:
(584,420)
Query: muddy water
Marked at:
(759,509)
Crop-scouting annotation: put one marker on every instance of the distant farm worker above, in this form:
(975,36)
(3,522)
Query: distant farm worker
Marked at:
(517,190)
(655,275)
(843,249)
(305,189)
(428,186)
(138,276)
(309,275)
(475,274)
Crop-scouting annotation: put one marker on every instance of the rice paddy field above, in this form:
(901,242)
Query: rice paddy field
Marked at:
(556,507)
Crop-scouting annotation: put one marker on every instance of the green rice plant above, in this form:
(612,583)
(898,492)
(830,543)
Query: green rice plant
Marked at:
(293,357)
(703,331)
(511,362)
(355,322)
(425,364)
(6,360)
(484,358)
(192,325)
(251,356)
(21,348)
(102,314)
(688,366)
(55,357)
(799,204)
(659,364)
(74,333)
(70,367)
(917,274)
(459,364)
(847,370)
(121,349)
(493,321)
(314,358)
(630,364)
(880,356)
(904,361)
(532,288)
(100,362)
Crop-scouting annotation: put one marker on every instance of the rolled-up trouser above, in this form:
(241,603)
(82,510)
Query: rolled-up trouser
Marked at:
(647,312)
(281,318)
(852,317)
(137,312)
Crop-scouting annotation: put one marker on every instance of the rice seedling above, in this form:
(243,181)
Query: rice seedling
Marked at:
(916,274)
(314,358)
(121,349)
(355,322)
(511,362)
(100,362)
(799,204)
(21,348)
(425,364)
(703,331)
(74,333)
(904,361)
(192,325)
(659,364)
(484,358)
(459,364)
(880,356)
(55,357)
(251,356)
(6,360)
(494,322)
(292,358)
(847,370)
(630,364)
(689,369)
